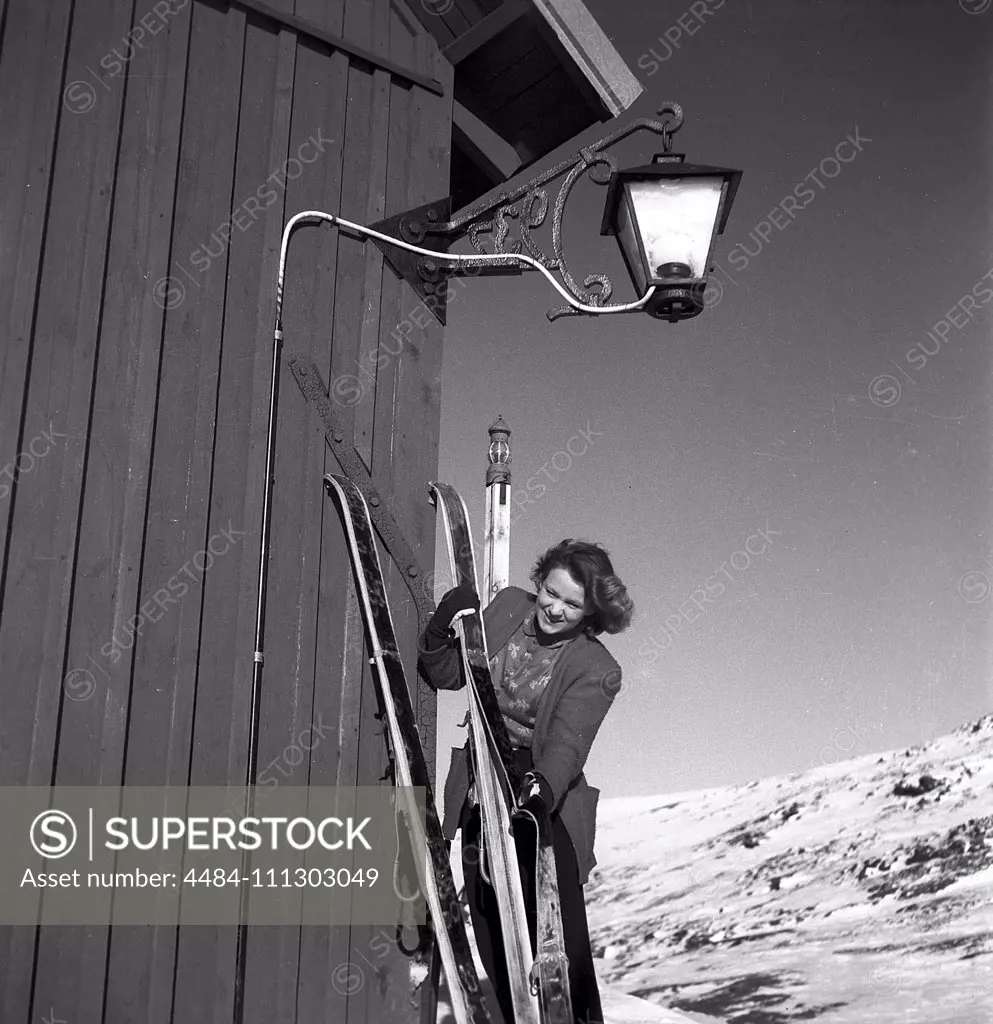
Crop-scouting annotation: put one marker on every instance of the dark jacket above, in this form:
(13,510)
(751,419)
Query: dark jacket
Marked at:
(584,682)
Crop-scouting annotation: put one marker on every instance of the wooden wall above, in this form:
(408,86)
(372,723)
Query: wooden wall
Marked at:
(135,339)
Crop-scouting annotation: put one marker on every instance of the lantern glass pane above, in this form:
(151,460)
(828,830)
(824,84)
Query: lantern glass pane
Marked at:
(631,245)
(676,219)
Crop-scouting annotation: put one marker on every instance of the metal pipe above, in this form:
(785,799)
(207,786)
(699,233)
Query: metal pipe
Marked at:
(258,661)
(486,259)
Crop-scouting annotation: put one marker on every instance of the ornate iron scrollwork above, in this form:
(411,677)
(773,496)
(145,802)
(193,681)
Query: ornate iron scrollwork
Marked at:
(527,204)
(533,209)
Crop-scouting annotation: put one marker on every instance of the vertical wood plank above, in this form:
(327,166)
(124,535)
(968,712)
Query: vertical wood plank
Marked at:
(277,957)
(377,155)
(385,993)
(230,588)
(418,365)
(72,962)
(40,515)
(355,272)
(30,108)
(393,999)
(390,336)
(418,425)
(321,94)
(142,960)
(418,173)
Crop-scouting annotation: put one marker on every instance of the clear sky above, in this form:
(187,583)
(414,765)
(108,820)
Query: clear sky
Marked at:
(799,405)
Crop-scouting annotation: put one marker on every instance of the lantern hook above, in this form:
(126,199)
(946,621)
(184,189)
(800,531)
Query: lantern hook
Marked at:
(669,129)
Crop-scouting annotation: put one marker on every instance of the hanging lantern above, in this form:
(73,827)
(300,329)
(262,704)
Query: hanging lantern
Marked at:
(666,215)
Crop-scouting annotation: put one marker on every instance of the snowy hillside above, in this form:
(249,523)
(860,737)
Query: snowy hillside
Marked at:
(861,891)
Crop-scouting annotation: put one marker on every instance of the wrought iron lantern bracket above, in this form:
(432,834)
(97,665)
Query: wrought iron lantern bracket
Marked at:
(421,227)
(430,228)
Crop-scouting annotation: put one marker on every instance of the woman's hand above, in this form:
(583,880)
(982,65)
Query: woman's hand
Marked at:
(455,603)
(536,796)
(535,801)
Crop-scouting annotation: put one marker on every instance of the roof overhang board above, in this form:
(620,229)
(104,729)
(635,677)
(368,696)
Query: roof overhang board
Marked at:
(533,73)
(483,31)
(494,155)
(592,53)
(577,32)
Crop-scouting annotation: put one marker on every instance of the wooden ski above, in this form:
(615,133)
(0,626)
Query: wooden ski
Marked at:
(549,978)
(435,877)
(498,782)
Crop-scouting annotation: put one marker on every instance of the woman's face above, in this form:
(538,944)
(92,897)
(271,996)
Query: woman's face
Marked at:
(561,602)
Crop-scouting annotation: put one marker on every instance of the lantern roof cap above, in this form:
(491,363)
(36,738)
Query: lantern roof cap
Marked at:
(666,165)
(498,425)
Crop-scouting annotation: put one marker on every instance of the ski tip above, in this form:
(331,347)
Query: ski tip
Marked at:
(336,483)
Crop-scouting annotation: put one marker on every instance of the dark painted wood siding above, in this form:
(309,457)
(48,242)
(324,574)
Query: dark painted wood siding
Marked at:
(135,340)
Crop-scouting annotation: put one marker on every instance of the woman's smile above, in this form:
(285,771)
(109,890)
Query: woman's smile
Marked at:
(548,624)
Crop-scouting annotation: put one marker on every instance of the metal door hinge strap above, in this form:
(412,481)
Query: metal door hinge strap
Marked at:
(309,381)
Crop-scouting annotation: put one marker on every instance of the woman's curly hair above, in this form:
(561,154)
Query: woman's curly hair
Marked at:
(611,610)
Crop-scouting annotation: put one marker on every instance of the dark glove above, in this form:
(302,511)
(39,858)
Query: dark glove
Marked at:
(536,796)
(439,632)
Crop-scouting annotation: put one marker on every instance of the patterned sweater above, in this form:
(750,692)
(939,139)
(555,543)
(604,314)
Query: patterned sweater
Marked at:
(582,685)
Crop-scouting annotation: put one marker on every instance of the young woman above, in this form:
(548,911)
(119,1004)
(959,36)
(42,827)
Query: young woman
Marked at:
(554,682)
